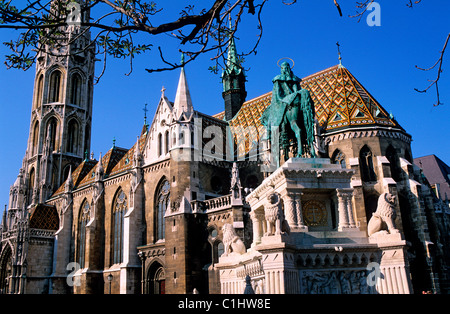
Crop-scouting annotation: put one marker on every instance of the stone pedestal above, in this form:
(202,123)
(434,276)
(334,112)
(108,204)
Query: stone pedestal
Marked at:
(394,267)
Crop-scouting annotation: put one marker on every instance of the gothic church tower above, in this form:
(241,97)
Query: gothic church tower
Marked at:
(61,114)
(233,80)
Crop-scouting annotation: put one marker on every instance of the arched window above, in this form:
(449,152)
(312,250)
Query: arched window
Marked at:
(167,141)
(218,250)
(31,178)
(161,205)
(39,91)
(394,163)
(338,158)
(55,86)
(51,130)
(83,219)
(87,137)
(181,138)
(35,143)
(366,163)
(159,144)
(6,270)
(72,140)
(75,89)
(120,206)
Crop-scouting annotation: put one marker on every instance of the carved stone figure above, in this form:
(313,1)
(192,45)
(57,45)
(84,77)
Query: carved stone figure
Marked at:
(336,282)
(232,243)
(276,223)
(383,220)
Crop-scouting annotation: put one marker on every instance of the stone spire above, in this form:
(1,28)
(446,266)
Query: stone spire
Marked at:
(183,102)
(99,171)
(233,80)
(69,182)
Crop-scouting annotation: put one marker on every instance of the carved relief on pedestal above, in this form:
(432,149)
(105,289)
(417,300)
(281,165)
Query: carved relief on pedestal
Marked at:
(336,282)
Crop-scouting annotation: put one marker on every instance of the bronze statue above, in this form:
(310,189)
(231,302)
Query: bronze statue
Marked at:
(292,111)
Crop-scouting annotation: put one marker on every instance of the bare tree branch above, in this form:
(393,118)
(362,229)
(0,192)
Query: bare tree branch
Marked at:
(435,81)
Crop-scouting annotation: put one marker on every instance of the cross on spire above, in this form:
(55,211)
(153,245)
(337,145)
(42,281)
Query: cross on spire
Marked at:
(145,109)
(339,53)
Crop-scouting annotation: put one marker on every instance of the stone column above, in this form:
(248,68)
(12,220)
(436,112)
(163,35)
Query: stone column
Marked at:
(299,211)
(351,217)
(290,210)
(342,209)
(257,221)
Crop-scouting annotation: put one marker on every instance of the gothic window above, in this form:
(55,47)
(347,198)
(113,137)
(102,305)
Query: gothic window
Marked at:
(72,140)
(162,204)
(120,206)
(366,163)
(75,90)
(35,142)
(31,178)
(55,86)
(167,141)
(159,144)
(338,158)
(87,136)
(39,91)
(5,270)
(51,131)
(394,163)
(82,222)
(218,250)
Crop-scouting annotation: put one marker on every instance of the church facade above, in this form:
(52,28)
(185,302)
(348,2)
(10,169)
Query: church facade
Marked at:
(200,204)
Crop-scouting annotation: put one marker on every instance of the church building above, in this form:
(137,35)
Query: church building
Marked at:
(205,202)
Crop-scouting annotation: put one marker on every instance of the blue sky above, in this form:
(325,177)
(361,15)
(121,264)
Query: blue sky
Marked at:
(382,58)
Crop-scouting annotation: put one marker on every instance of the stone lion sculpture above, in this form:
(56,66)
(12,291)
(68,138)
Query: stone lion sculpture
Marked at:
(276,224)
(231,241)
(383,220)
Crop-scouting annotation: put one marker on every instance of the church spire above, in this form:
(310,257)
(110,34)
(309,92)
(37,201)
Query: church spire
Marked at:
(233,80)
(183,102)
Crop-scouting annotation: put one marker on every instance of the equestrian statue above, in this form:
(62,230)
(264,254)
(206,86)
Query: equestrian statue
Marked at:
(291,111)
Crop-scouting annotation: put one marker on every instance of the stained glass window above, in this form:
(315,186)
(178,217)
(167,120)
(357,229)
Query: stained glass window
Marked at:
(83,220)
(119,209)
(162,204)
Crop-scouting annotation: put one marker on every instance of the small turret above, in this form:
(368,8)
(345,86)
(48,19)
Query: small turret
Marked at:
(233,79)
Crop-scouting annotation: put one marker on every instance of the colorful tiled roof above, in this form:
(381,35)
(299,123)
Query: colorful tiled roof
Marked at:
(115,161)
(340,102)
(44,217)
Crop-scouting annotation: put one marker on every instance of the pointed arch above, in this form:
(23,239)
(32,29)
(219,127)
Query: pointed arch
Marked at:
(162,203)
(394,163)
(119,208)
(51,130)
(83,218)
(167,141)
(73,132)
(55,90)
(75,89)
(5,269)
(156,279)
(159,145)
(338,157)
(35,139)
(366,164)
(31,179)
(39,91)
